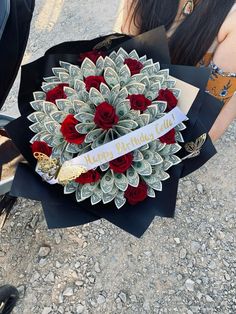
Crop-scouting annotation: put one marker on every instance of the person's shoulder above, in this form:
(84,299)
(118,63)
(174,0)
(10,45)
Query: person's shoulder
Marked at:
(229,25)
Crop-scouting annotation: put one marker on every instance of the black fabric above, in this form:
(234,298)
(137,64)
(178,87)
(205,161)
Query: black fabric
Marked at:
(4,14)
(153,43)
(56,210)
(63,210)
(13,43)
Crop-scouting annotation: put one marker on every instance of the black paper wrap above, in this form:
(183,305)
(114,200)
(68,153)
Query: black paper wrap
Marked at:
(62,210)
(13,42)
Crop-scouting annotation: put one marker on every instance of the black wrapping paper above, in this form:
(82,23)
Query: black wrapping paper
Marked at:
(13,43)
(63,210)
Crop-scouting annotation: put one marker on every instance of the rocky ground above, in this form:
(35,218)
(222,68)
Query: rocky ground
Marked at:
(186,265)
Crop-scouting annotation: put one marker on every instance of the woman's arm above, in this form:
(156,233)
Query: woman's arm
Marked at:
(224,119)
(225,59)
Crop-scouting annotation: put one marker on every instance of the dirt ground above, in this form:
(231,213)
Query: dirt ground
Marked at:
(185,265)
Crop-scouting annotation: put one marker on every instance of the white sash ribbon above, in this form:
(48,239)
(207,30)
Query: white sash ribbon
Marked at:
(129,142)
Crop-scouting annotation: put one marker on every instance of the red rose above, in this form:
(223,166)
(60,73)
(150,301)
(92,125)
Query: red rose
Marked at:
(121,164)
(169,97)
(134,65)
(93,81)
(69,132)
(105,116)
(41,147)
(89,177)
(136,195)
(93,55)
(169,137)
(139,102)
(56,93)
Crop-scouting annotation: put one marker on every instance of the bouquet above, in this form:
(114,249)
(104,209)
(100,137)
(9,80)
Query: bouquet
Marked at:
(106,131)
(82,109)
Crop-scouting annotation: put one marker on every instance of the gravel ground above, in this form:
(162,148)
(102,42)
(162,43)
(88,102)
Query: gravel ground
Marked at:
(186,265)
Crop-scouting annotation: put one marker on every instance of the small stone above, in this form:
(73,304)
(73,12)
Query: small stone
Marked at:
(91,279)
(34,221)
(58,264)
(79,309)
(199,295)
(146,306)
(77,265)
(60,299)
(177,240)
(79,283)
(133,298)
(97,268)
(2,254)
(171,292)
(61,309)
(209,299)
(21,290)
(182,253)
(195,246)
(58,238)
(44,251)
(200,188)
(227,277)
(85,244)
(178,203)
(35,277)
(189,284)
(101,231)
(43,262)
(47,310)
(220,235)
(50,277)
(119,303)
(212,265)
(123,297)
(68,292)
(101,299)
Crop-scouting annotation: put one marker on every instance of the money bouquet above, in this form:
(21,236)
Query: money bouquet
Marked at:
(108,130)
(85,119)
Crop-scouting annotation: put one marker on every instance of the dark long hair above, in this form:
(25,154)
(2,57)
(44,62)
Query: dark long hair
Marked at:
(194,36)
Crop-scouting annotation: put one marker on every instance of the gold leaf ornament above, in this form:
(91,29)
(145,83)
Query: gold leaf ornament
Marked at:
(194,148)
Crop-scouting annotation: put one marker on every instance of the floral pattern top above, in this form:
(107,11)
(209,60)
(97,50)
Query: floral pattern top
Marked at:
(221,85)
